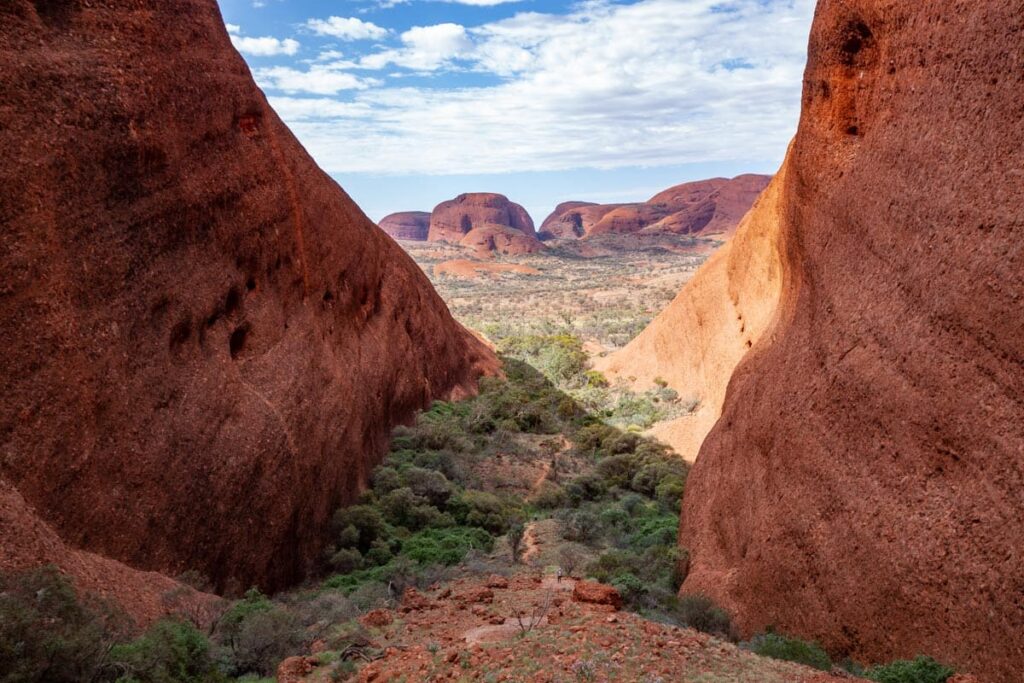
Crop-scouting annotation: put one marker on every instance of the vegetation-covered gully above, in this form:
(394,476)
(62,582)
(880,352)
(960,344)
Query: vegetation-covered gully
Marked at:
(526,534)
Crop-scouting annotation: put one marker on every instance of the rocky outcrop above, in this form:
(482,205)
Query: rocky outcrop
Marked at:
(206,342)
(452,220)
(863,485)
(407,225)
(696,343)
(706,207)
(571,220)
(489,239)
(596,594)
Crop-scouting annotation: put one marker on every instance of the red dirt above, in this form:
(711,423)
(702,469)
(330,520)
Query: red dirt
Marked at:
(477,642)
(863,485)
(596,594)
(206,342)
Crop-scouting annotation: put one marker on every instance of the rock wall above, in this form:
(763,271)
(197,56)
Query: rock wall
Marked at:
(865,483)
(698,340)
(407,225)
(206,341)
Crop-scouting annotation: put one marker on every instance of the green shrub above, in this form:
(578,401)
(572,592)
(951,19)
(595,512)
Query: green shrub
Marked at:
(782,647)
(169,652)
(919,670)
(549,496)
(346,560)
(47,634)
(481,509)
(701,613)
(445,546)
(366,520)
(596,379)
(582,526)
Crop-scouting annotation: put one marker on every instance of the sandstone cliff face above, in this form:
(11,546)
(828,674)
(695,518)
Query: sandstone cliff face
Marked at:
(706,207)
(407,225)
(864,483)
(206,342)
(452,220)
(696,343)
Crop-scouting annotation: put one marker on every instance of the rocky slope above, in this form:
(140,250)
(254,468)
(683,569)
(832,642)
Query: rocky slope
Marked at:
(407,225)
(863,485)
(705,207)
(696,343)
(536,629)
(207,342)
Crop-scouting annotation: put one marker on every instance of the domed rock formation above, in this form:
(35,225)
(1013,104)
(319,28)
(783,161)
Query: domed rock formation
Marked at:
(863,485)
(571,220)
(489,239)
(452,220)
(407,225)
(206,342)
(705,207)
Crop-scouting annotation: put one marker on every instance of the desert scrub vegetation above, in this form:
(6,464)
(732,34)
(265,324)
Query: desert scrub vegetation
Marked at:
(921,669)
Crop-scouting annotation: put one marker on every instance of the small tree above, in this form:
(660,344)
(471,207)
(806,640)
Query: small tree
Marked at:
(516,536)
(570,558)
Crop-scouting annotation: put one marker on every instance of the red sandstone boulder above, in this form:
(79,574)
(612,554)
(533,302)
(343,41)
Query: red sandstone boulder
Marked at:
(407,225)
(497,581)
(206,342)
(295,669)
(377,618)
(596,594)
(452,220)
(475,595)
(414,601)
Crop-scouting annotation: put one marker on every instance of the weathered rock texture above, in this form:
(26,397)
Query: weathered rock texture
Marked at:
(865,483)
(696,343)
(28,542)
(407,225)
(489,239)
(706,207)
(450,221)
(206,343)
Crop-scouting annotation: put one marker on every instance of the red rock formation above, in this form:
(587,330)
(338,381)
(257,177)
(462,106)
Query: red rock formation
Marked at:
(27,542)
(487,240)
(864,483)
(571,220)
(596,594)
(407,225)
(706,207)
(452,220)
(206,343)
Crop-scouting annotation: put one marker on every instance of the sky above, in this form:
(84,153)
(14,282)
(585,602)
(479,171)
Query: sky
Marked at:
(407,103)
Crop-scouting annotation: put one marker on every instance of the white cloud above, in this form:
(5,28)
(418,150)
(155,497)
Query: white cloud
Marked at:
(346,28)
(318,80)
(656,82)
(266,46)
(233,28)
(426,48)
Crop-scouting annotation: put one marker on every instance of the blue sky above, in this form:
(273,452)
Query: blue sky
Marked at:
(410,102)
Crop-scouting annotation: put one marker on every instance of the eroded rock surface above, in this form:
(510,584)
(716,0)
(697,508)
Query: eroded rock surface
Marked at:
(206,342)
(407,225)
(705,207)
(864,483)
(452,220)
